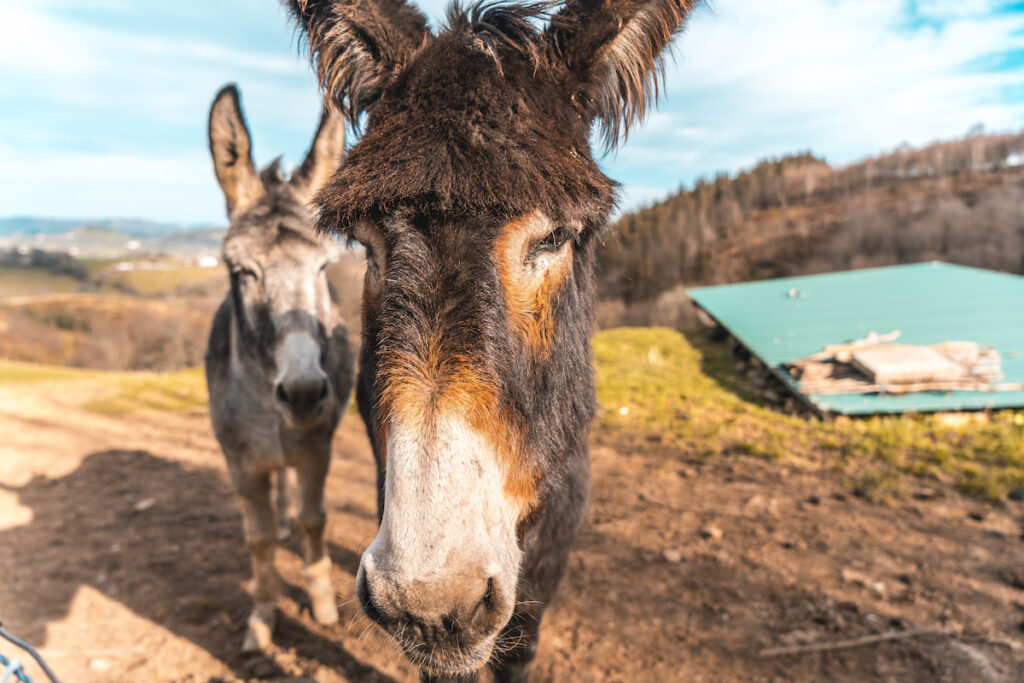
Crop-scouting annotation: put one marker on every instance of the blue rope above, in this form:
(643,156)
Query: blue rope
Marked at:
(29,649)
(13,667)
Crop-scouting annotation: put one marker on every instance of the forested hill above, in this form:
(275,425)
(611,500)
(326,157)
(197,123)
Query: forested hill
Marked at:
(960,201)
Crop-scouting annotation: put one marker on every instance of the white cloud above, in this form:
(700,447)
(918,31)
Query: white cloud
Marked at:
(83,185)
(846,79)
(124,133)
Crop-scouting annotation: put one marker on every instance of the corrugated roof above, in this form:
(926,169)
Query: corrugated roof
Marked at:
(783,320)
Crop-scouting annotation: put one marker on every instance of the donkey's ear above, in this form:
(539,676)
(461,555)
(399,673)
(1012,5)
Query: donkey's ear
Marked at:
(324,156)
(231,148)
(613,51)
(358,46)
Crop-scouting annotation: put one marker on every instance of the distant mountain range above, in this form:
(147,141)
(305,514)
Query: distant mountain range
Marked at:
(110,238)
(30,225)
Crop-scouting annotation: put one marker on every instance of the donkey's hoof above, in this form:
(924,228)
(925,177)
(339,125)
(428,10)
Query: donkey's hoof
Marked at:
(284,529)
(325,611)
(321,592)
(325,603)
(258,634)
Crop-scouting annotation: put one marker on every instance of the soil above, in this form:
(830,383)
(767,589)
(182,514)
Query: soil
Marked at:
(121,557)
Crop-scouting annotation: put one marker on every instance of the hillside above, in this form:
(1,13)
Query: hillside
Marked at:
(32,225)
(959,201)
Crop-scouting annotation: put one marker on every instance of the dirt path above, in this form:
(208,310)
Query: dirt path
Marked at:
(121,556)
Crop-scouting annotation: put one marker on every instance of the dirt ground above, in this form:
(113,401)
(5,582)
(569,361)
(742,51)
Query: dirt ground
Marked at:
(121,556)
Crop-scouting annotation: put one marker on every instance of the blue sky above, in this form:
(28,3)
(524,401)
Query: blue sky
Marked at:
(103,102)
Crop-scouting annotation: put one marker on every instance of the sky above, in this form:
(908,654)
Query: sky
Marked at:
(103,103)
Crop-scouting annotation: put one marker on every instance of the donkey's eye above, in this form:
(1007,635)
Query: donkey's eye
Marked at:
(554,241)
(371,262)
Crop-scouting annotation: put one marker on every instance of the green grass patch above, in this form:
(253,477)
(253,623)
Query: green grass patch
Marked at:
(657,381)
(15,372)
(177,392)
(118,393)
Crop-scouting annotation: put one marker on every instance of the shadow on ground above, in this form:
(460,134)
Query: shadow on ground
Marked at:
(165,541)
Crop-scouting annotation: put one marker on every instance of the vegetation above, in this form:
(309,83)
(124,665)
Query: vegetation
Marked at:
(29,282)
(660,390)
(106,332)
(176,392)
(117,393)
(956,201)
(663,392)
(14,372)
(169,280)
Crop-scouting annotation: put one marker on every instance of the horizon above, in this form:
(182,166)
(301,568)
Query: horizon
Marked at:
(620,211)
(114,125)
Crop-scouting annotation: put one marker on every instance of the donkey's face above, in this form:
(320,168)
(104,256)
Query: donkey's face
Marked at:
(477,198)
(277,261)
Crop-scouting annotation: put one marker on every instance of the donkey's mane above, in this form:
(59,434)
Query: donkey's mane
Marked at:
(279,214)
(501,24)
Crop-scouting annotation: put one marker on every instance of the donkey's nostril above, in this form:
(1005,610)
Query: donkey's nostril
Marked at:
(489,596)
(302,394)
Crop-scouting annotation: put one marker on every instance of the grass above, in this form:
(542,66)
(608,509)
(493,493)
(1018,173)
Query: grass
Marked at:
(32,281)
(175,392)
(15,372)
(155,282)
(662,390)
(118,393)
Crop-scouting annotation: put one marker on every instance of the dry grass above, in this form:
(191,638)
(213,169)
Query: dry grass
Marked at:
(166,282)
(32,281)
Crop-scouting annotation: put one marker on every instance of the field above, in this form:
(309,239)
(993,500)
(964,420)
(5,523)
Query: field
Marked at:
(718,528)
(29,282)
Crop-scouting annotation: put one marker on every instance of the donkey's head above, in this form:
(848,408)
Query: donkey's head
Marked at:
(277,260)
(476,195)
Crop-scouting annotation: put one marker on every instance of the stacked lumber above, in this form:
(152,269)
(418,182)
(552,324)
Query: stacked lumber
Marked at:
(876,365)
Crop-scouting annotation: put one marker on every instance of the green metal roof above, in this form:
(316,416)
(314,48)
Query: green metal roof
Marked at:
(783,320)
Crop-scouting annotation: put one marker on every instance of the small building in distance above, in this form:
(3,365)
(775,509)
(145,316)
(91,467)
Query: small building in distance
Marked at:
(795,325)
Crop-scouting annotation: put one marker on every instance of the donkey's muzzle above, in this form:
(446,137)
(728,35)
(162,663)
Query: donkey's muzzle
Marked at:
(301,388)
(303,397)
(448,625)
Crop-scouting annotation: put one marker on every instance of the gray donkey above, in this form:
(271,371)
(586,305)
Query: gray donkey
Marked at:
(279,363)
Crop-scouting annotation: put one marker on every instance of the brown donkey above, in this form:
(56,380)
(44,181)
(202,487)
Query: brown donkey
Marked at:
(477,198)
(279,365)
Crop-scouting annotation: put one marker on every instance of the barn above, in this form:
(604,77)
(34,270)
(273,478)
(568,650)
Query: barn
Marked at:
(923,337)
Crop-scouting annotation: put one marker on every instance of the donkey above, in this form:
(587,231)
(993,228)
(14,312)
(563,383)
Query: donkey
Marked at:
(279,363)
(476,195)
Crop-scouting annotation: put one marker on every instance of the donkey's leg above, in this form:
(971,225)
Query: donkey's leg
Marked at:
(312,473)
(261,537)
(285,490)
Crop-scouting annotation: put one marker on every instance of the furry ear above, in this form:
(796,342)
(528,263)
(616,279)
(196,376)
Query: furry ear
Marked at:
(358,46)
(324,155)
(231,147)
(613,51)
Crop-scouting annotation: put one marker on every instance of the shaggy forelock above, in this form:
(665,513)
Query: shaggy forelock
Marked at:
(501,24)
(278,214)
